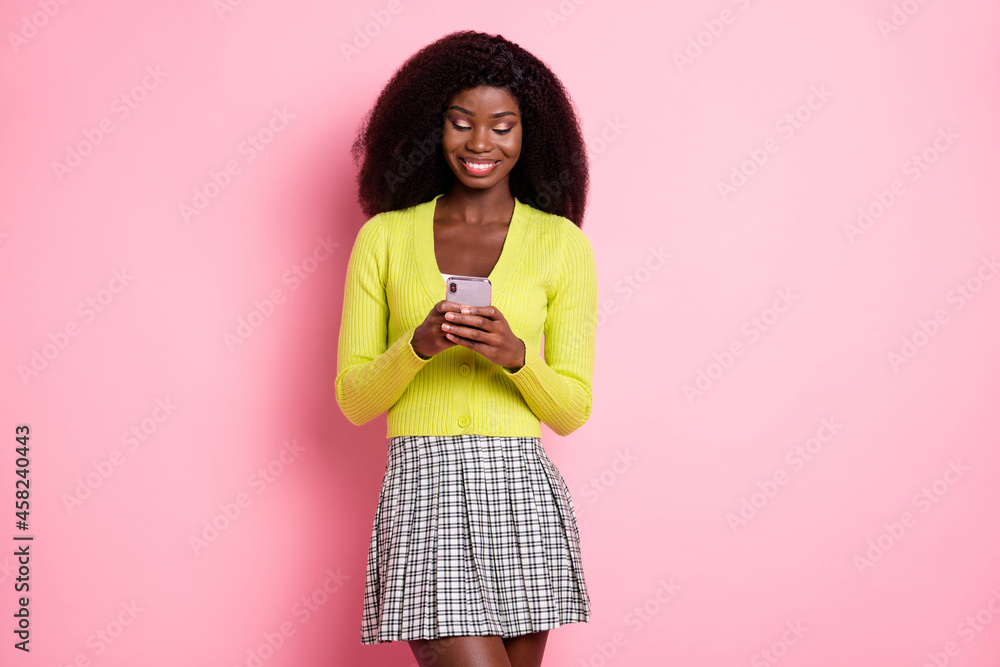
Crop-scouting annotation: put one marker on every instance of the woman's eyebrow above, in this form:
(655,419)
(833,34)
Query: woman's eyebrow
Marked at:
(498,114)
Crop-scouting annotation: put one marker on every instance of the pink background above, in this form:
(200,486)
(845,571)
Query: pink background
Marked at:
(827,496)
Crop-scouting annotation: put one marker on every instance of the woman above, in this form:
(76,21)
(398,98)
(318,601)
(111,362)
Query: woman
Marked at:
(472,163)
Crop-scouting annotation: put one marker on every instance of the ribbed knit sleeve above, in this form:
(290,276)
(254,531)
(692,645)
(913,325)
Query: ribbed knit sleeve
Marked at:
(558,388)
(371,373)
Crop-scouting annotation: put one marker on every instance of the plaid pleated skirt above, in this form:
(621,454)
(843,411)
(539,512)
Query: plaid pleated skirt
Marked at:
(473,535)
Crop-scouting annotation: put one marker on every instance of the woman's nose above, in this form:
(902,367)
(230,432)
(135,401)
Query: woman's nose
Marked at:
(479,140)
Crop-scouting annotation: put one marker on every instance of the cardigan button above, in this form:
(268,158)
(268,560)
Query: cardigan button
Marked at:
(463,421)
(464,369)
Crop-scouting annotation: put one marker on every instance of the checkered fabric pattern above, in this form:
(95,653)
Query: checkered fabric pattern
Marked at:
(473,535)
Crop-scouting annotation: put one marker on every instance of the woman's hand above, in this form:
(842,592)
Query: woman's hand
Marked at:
(485,330)
(480,328)
(428,338)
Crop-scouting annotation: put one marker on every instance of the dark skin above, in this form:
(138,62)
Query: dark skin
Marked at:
(482,126)
(471,221)
(521,651)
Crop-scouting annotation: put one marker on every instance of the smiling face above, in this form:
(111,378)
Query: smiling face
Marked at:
(482,136)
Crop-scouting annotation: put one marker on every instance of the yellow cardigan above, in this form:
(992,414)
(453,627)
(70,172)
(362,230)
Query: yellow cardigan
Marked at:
(545,282)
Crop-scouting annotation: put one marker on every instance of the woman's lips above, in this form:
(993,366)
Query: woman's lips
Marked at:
(478,168)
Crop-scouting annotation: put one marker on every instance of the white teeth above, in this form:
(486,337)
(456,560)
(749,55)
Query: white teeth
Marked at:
(480,167)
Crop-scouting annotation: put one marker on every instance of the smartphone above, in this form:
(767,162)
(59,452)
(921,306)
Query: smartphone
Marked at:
(468,290)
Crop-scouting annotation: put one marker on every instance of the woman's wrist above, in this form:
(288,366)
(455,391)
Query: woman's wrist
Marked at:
(524,351)
(413,347)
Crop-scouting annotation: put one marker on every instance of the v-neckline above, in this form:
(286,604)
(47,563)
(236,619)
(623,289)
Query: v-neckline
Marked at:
(423,242)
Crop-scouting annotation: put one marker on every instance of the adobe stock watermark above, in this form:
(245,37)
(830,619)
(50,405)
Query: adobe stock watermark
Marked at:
(927,329)
(407,165)
(712,30)
(778,649)
(786,127)
(914,167)
(131,439)
(628,285)
(430,653)
(639,617)
(34,22)
(8,567)
(924,500)
(562,12)
(102,638)
(248,149)
(121,108)
(899,16)
(753,329)
(303,610)
(87,310)
(599,484)
(371,30)
(612,130)
(633,282)
(223,7)
(264,309)
(796,459)
(230,511)
(550,190)
(970,628)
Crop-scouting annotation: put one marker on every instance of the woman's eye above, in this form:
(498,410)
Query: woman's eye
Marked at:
(469,127)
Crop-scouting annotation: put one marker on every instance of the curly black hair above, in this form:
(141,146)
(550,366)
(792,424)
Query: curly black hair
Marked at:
(398,144)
